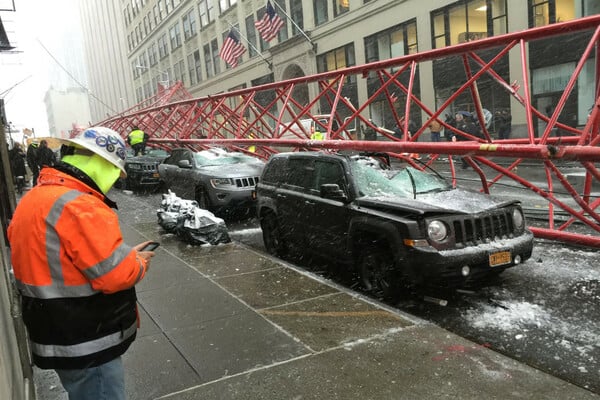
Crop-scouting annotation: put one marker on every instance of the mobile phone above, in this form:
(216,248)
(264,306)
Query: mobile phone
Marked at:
(150,246)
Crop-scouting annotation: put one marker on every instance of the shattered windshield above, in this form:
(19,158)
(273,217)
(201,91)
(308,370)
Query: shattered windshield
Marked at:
(373,180)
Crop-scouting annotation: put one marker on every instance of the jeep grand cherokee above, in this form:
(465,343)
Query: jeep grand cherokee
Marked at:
(395,226)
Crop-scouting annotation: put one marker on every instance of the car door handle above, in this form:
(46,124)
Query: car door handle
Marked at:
(310,203)
(281,196)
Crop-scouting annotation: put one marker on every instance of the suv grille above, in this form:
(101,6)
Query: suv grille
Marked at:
(484,228)
(246,182)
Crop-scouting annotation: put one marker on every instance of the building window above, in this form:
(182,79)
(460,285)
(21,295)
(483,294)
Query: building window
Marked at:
(394,42)
(207,11)
(341,57)
(179,71)
(161,9)
(468,20)
(214,48)
(153,54)
(225,5)
(175,36)
(146,27)
(208,62)
(163,49)
(320,12)
(296,15)
(544,12)
(194,68)
(283,32)
(251,35)
(189,25)
(340,7)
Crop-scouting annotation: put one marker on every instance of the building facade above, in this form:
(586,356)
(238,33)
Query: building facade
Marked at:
(179,40)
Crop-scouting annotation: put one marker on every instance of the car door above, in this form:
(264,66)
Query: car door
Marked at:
(327,227)
(168,169)
(291,197)
(184,177)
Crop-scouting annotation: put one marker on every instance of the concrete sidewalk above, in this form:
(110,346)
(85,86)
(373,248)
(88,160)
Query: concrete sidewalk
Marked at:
(226,322)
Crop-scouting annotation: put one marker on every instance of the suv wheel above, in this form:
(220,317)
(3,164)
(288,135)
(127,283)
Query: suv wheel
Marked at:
(375,266)
(272,235)
(202,198)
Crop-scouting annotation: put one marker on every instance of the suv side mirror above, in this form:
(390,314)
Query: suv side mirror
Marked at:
(332,191)
(184,164)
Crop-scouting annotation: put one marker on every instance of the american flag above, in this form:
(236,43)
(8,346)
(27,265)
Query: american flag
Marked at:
(232,50)
(270,24)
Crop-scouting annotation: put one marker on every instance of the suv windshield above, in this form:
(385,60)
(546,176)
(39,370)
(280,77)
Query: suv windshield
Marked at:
(207,159)
(373,180)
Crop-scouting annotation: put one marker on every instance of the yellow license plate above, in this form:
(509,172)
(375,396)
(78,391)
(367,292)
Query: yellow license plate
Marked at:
(155,175)
(500,258)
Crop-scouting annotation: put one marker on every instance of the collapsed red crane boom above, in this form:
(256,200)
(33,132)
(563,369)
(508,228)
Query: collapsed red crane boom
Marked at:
(271,117)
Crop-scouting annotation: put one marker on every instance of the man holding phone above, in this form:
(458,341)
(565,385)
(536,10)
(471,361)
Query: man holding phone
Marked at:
(77,276)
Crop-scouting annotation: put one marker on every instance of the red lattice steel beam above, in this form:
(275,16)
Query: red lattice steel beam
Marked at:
(269,116)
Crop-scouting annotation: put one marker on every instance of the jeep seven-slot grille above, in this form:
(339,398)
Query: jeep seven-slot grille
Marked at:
(484,228)
(246,182)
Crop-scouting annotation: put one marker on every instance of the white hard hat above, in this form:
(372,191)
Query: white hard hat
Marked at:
(104,142)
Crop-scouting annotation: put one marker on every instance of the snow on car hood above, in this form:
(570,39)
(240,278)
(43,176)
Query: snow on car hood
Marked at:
(448,201)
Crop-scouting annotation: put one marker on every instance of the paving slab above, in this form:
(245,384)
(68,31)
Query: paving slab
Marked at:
(416,363)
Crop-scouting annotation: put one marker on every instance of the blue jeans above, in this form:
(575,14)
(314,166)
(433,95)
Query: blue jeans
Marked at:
(104,382)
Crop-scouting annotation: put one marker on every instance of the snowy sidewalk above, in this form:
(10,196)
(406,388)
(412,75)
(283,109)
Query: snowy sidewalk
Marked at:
(226,322)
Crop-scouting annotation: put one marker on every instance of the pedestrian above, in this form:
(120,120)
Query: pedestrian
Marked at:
(16,157)
(466,125)
(32,161)
(435,128)
(136,140)
(505,126)
(75,273)
(45,155)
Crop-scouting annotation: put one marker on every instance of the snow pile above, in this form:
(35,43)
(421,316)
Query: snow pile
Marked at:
(510,317)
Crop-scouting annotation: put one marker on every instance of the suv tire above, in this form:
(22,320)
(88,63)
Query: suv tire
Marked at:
(202,198)
(375,266)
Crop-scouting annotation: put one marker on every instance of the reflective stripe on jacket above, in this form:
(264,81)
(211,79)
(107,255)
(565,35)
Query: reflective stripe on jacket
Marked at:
(136,137)
(75,274)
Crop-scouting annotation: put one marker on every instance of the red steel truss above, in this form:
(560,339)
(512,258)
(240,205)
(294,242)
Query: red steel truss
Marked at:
(267,118)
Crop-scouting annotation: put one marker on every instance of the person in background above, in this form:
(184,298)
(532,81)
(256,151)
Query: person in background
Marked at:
(466,125)
(505,125)
(435,128)
(32,161)
(74,271)
(45,155)
(17,156)
(136,140)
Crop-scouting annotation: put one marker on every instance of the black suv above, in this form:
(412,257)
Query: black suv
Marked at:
(142,171)
(396,226)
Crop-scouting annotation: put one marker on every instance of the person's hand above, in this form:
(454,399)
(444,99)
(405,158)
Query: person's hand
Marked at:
(146,255)
(454,138)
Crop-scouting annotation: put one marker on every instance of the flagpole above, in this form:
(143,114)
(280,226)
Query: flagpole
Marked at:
(314,45)
(251,45)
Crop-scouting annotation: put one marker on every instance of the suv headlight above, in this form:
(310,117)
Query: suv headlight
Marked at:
(518,219)
(216,182)
(437,231)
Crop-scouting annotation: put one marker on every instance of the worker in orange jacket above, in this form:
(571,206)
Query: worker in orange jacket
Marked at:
(75,273)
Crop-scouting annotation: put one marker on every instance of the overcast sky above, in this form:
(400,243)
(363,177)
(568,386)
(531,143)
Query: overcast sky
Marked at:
(36,24)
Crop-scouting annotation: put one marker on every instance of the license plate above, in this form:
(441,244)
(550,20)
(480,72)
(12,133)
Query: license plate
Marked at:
(500,258)
(155,175)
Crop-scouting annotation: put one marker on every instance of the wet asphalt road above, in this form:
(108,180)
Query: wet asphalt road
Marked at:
(544,312)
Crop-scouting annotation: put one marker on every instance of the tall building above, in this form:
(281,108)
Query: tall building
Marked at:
(180,40)
(106,57)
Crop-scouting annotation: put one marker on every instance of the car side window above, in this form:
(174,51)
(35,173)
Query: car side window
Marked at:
(275,172)
(301,173)
(174,158)
(328,173)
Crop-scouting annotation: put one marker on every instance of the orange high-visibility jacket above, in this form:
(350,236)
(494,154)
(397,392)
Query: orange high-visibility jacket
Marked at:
(75,274)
